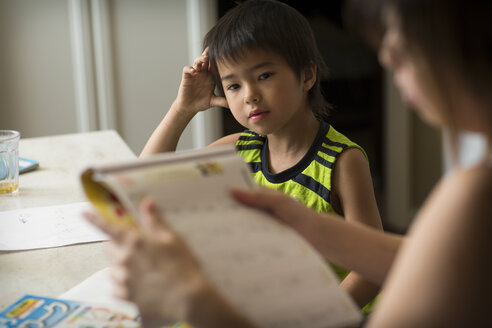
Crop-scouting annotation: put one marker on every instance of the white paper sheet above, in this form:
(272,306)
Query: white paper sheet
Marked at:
(44,227)
(99,288)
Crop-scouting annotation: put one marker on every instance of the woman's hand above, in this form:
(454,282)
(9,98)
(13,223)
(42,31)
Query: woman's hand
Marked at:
(281,206)
(351,245)
(196,91)
(153,268)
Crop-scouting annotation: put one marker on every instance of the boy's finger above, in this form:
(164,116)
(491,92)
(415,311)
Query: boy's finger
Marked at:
(188,70)
(195,65)
(200,62)
(206,59)
(219,101)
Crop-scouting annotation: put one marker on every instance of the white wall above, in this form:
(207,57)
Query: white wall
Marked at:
(147,44)
(36,91)
(150,49)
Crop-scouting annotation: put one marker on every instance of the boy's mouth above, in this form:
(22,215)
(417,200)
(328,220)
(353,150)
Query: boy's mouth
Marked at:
(257,115)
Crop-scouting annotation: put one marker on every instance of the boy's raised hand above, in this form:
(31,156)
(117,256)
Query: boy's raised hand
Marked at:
(195,94)
(196,91)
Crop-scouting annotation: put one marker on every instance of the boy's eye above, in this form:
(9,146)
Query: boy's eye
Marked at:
(265,76)
(233,87)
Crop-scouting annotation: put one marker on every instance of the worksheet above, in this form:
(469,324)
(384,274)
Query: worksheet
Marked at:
(50,226)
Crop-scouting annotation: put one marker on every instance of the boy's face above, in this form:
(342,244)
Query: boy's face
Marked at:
(264,93)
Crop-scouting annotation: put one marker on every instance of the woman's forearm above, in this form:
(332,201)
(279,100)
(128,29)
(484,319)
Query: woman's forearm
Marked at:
(354,246)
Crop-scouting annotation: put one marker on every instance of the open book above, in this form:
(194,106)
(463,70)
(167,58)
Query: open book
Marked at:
(264,268)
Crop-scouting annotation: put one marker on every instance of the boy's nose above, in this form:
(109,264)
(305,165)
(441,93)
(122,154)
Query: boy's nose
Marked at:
(252,96)
(252,99)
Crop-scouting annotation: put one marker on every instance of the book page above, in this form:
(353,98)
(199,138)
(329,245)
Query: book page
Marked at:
(180,184)
(260,265)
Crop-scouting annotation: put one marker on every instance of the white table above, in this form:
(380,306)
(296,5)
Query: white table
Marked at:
(52,271)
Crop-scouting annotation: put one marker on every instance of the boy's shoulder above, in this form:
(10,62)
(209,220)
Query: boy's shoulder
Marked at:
(333,134)
(230,139)
(338,139)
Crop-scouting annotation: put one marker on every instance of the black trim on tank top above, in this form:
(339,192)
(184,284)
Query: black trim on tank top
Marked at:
(300,166)
(249,147)
(251,138)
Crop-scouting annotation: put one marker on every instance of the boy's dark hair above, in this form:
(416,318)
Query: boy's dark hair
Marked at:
(268,25)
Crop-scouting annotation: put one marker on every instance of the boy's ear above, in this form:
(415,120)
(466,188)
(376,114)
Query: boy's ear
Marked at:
(309,77)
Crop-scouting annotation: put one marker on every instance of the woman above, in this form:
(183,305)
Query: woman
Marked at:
(439,274)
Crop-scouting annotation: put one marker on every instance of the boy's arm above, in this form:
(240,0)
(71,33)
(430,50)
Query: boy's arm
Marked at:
(166,136)
(360,289)
(227,140)
(195,94)
(353,189)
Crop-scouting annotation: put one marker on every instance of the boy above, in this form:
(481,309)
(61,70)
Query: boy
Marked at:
(263,58)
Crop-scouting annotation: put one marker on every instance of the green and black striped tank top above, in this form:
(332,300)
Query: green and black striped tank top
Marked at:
(309,181)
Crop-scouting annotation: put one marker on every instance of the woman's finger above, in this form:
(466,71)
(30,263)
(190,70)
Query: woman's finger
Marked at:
(119,275)
(118,252)
(114,231)
(262,198)
(152,221)
(121,291)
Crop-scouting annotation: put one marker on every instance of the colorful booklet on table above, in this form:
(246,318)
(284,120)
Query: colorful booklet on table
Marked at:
(36,312)
(32,311)
(264,268)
